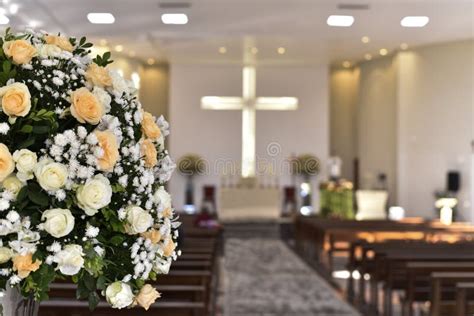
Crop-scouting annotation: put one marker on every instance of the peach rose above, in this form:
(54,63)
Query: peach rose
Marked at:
(24,265)
(108,143)
(21,51)
(60,41)
(168,247)
(149,153)
(147,296)
(7,165)
(16,99)
(85,107)
(98,76)
(167,212)
(153,234)
(149,127)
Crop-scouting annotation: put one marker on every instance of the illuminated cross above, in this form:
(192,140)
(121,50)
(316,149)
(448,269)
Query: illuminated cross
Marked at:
(248,104)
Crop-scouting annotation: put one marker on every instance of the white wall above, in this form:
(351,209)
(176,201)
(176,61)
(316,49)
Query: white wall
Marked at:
(435,124)
(344,87)
(376,124)
(216,135)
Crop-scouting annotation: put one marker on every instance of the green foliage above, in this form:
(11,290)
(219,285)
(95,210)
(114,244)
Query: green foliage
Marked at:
(103,60)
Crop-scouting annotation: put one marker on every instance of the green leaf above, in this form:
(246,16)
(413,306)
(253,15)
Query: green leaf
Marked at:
(7,66)
(117,240)
(22,194)
(41,129)
(38,197)
(89,281)
(30,141)
(101,282)
(26,129)
(94,300)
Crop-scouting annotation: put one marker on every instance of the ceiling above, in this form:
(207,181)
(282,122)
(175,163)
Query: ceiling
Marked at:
(297,25)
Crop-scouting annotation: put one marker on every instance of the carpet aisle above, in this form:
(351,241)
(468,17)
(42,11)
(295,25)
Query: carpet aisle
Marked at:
(262,276)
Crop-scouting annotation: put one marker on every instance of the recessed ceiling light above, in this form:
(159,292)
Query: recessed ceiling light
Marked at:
(4,19)
(383,51)
(150,61)
(365,39)
(346,64)
(340,20)
(254,50)
(404,46)
(368,57)
(13,8)
(101,18)
(222,50)
(281,50)
(103,42)
(174,18)
(414,21)
(118,48)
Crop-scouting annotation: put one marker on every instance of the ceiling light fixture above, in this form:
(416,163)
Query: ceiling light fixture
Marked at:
(174,18)
(118,48)
(383,51)
(103,42)
(368,57)
(346,64)
(365,39)
(33,24)
(4,19)
(340,20)
(404,46)
(13,8)
(222,50)
(414,21)
(101,18)
(150,61)
(281,50)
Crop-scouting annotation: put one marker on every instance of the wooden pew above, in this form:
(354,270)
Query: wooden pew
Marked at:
(463,289)
(445,283)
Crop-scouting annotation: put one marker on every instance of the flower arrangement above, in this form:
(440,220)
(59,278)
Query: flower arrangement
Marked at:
(191,164)
(306,165)
(82,169)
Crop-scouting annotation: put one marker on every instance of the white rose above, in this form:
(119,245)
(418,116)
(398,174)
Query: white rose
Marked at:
(12,184)
(118,83)
(5,254)
(119,295)
(103,97)
(162,198)
(138,220)
(58,222)
(161,266)
(51,175)
(70,260)
(26,160)
(48,50)
(95,194)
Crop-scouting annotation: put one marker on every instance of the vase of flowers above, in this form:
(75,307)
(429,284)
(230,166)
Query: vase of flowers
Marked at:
(82,172)
(189,166)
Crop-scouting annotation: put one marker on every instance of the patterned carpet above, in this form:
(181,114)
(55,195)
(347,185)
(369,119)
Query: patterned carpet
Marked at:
(263,277)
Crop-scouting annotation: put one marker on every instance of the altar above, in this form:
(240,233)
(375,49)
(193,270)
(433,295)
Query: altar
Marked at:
(242,204)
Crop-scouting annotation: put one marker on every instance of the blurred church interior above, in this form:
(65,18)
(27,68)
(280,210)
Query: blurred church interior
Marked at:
(324,148)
